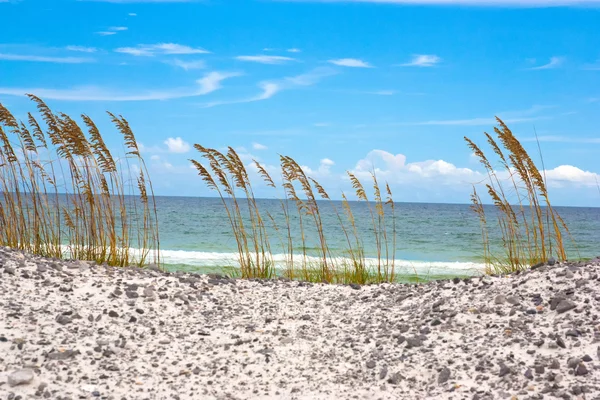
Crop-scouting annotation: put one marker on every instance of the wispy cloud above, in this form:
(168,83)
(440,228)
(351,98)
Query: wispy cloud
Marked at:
(265,59)
(82,49)
(34,58)
(188,65)
(528,115)
(132,14)
(294,50)
(350,62)
(112,30)
(150,50)
(477,121)
(554,62)
(208,84)
(271,88)
(258,146)
(561,139)
(474,3)
(423,60)
(268,90)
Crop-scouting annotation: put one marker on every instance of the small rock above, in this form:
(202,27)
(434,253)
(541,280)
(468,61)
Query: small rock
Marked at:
(504,370)
(383,372)
(444,376)
(371,364)
(513,300)
(573,362)
(62,355)
(569,274)
(64,319)
(113,314)
(581,370)
(395,378)
(500,299)
(564,306)
(560,342)
(413,342)
(20,377)
(529,374)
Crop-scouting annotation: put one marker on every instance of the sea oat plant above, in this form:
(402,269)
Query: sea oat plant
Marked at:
(63,194)
(531,229)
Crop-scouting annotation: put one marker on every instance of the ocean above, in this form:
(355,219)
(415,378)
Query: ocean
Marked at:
(433,239)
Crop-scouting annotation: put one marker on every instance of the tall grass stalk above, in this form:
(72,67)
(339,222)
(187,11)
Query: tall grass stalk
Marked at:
(229,177)
(531,230)
(63,194)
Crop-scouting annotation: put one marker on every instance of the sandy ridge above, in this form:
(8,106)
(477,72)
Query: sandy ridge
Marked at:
(74,330)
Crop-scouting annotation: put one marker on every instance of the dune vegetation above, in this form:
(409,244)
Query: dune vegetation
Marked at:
(532,231)
(64,194)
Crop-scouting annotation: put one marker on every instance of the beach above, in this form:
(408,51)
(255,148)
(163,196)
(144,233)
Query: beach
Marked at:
(75,330)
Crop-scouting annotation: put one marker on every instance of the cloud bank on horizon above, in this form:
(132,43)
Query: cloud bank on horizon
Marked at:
(339,85)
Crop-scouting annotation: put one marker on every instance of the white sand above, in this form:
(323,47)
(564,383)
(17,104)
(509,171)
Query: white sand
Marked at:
(197,337)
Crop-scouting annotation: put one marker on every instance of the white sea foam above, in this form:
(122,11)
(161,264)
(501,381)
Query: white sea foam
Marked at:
(208,259)
(215,259)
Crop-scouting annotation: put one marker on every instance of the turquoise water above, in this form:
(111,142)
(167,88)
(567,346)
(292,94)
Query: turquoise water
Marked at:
(430,238)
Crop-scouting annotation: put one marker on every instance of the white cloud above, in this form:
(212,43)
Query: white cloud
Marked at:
(32,58)
(294,50)
(265,59)
(82,49)
(149,50)
(112,30)
(155,157)
(476,3)
(258,146)
(554,62)
(565,174)
(322,171)
(422,60)
(271,88)
(350,62)
(132,14)
(395,169)
(310,78)
(188,65)
(209,83)
(177,145)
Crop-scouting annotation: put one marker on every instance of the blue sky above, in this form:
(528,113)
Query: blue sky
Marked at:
(353,85)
